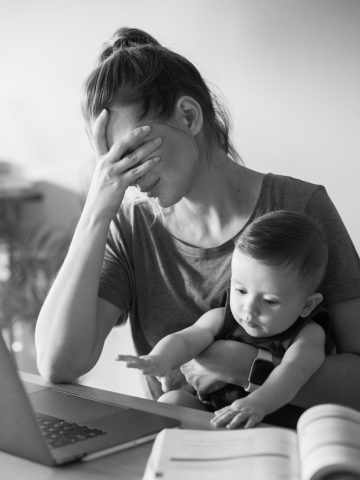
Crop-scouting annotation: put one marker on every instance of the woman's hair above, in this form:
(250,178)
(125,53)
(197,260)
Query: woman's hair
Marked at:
(134,69)
(284,238)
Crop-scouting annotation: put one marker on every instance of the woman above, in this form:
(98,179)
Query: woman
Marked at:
(165,260)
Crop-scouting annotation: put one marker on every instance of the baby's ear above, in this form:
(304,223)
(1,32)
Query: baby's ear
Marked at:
(310,303)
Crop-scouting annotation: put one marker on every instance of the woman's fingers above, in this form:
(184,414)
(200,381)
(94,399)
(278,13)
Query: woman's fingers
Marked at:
(99,139)
(132,149)
(120,147)
(129,158)
(128,143)
(132,156)
(165,382)
(133,175)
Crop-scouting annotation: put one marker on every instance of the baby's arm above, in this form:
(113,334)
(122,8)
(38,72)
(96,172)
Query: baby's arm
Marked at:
(299,363)
(178,348)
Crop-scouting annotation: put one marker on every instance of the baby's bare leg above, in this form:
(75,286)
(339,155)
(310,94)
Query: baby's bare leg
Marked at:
(184,399)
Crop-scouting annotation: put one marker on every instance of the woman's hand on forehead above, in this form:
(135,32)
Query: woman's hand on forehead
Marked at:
(130,157)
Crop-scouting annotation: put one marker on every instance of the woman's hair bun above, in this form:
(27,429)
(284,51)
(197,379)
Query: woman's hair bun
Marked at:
(126,38)
(132,37)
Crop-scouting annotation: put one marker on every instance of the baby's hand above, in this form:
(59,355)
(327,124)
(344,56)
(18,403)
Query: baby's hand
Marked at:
(149,365)
(240,411)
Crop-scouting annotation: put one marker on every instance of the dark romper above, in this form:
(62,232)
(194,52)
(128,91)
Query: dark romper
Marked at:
(277,345)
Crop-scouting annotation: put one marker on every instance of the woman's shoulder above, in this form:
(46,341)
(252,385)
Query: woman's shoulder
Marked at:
(281,192)
(284,183)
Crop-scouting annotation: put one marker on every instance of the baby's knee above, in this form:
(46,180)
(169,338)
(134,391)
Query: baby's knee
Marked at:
(183,399)
(175,397)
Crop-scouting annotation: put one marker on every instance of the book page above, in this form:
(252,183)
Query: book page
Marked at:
(329,441)
(260,453)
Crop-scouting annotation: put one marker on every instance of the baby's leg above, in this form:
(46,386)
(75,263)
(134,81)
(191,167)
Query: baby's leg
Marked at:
(184,399)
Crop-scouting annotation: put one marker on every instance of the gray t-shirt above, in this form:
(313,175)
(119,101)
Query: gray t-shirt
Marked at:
(164,285)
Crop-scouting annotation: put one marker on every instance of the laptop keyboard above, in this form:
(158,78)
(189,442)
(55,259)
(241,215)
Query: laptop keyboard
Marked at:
(59,433)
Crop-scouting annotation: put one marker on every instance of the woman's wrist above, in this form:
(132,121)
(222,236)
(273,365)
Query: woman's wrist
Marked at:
(234,360)
(245,356)
(223,362)
(94,216)
(239,360)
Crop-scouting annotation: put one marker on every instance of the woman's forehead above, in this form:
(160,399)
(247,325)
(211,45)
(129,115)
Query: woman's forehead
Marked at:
(124,119)
(121,120)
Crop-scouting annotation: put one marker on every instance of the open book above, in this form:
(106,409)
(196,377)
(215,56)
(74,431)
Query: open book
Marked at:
(327,441)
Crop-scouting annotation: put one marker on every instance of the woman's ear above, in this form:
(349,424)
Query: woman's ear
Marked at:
(190,114)
(310,303)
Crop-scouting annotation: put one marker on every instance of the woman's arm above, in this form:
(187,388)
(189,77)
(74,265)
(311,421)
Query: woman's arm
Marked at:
(73,323)
(223,362)
(337,380)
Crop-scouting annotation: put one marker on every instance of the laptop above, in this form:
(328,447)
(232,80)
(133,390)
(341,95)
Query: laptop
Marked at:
(52,427)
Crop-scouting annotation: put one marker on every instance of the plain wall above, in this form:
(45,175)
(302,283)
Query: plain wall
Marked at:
(288,69)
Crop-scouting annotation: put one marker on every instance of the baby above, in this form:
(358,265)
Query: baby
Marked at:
(278,263)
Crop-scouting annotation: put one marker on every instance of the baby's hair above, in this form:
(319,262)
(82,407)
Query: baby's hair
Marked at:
(284,238)
(135,69)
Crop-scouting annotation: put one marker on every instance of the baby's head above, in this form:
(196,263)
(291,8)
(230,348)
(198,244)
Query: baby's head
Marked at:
(278,264)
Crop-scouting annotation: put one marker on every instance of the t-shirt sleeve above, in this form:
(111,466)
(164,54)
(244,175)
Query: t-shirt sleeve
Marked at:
(342,277)
(117,279)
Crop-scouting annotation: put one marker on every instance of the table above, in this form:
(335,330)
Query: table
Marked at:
(126,465)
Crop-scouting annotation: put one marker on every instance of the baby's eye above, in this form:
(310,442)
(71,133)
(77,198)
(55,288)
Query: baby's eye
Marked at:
(240,291)
(272,303)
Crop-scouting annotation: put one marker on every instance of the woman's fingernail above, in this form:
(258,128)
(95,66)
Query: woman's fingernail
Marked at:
(103,113)
(157,140)
(156,159)
(146,129)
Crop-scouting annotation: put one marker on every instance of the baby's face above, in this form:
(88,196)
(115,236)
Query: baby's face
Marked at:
(264,300)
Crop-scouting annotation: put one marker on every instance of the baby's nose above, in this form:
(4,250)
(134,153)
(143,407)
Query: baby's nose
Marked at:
(251,308)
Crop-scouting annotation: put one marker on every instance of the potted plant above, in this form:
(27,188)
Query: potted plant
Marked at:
(34,256)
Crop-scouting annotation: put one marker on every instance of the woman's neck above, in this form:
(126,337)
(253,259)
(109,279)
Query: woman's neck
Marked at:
(221,200)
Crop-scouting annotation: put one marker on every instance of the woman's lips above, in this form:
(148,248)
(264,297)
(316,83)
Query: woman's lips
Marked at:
(148,187)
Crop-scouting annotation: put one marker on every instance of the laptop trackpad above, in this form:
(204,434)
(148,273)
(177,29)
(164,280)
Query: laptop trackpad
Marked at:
(70,407)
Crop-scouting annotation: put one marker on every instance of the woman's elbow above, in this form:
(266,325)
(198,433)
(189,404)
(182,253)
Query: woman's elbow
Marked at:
(59,367)
(55,372)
